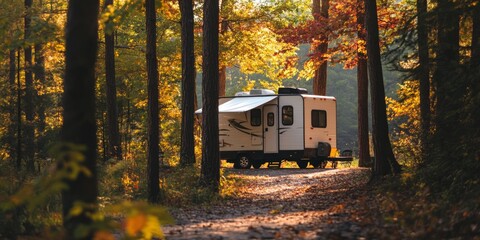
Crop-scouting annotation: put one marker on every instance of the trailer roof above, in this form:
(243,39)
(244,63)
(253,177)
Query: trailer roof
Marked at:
(242,104)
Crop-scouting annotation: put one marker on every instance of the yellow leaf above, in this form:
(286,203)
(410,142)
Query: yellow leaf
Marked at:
(76,210)
(135,223)
(152,228)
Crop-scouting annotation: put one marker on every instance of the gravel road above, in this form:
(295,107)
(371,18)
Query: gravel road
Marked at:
(288,204)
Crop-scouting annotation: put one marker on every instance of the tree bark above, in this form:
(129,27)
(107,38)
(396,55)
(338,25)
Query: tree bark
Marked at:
(79,122)
(40,76)
(29,93)
(362,79)
(12,117)
(475,82)
(114,144)
(187,149)
(226,8)
(320,77)
(19,115)
(447,83)
(40,99)
(210,170)
(423,74)
(385,162)
(153,189)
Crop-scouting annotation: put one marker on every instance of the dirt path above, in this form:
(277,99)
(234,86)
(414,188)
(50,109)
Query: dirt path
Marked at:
(288,204)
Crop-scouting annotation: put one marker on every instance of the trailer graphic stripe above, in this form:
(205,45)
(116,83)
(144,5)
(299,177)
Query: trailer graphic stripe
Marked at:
(238,125)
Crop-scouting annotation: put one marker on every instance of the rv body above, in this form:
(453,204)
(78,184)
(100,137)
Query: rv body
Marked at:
(255,129)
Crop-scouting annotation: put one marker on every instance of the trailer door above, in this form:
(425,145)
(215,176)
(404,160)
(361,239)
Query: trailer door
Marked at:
(270,130)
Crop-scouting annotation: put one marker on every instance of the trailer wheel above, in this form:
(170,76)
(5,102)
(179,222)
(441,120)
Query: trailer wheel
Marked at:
(302,164)
(257,165)
(244,162)
(323,164)
(334,164)
(315,163)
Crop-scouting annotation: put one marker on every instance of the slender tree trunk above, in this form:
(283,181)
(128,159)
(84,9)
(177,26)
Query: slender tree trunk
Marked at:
(320,78)
(115,147)
(362,79)
(19,115)
(423,75)
(210,170)
(475,82)
(12,117)
(225,8)
(40,76)
(29,93)
(127,128)
(104,139)
(153,189)
(187,151)
(41,98)
(385,162)
(447,84)
(79,122)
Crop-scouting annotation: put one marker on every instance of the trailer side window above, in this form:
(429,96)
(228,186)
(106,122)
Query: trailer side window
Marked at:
(319,118)
(287,115)
(270,119)
(256,117)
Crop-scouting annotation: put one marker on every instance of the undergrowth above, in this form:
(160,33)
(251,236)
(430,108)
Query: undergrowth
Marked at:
(182,187)
(423,209)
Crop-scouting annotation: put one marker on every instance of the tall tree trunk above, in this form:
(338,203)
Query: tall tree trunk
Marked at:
(320,78)
(153,189)
(385,162)
(41,99)
(187,149)
(127,137)
(29,93)
(362,80)
(19,115)
(79,122)
(104,139)
(225,8)
(475,78)
(40,76)
(11,126)
(447,84)
(115,147)
(423,73)
(210,170)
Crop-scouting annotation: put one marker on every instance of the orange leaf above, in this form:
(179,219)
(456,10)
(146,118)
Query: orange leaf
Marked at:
(135,223)
(103,235)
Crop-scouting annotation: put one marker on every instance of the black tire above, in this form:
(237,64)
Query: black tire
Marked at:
(315,163)
(257,165)
(244,162)
(323,164)
(302,164)
(334,164)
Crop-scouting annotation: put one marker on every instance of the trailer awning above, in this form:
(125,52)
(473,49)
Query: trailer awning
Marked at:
(242,104)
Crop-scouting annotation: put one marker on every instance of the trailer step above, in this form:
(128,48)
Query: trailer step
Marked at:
(274,164)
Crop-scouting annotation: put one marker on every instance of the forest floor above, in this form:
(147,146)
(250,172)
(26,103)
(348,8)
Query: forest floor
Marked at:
(289,204)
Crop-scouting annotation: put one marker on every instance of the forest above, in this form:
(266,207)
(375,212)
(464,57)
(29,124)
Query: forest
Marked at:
(99,139)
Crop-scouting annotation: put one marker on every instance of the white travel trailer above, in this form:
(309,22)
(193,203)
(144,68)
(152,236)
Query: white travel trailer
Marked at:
(260,127)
